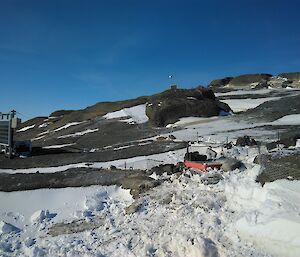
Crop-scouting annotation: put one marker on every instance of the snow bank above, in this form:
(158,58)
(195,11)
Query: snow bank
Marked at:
(38,206)
(26,128)
(137,114)
(293,119)
(269,215)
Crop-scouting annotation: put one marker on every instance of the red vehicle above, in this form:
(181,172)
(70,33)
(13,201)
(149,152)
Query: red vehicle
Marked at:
(204,166)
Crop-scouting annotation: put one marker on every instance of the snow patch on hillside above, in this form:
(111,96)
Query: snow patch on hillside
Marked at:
(69,125)
(137,114)
(26,128)
(190,120)
(81,133)
(293,119)
(240,105)
(245,92)
(57,146)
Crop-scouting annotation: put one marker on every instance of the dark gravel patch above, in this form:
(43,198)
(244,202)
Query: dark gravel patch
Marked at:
(52,160)
(280,167)
(135,180)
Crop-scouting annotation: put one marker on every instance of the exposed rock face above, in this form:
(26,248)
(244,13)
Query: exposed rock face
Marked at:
(168,106)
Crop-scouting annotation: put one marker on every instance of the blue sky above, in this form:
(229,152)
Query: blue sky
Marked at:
(69,54)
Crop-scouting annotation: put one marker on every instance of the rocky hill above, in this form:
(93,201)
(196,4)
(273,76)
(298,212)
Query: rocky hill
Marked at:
(115,128)
(263,80)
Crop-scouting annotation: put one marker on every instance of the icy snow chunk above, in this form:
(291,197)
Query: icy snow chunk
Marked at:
(6,228)
(29,242)
(137,114)
(41,215)
(112,196)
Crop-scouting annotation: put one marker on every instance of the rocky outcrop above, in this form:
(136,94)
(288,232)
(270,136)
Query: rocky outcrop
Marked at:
(290,75)
(246,81)
(249,80)
(169,106)
(256,81)
(218,83)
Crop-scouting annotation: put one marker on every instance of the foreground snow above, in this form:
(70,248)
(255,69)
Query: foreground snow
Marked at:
(182,217)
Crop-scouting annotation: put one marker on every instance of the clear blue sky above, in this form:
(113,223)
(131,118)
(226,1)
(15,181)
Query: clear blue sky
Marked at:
(69,54)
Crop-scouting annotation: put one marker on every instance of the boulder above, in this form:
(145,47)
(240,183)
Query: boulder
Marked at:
(134,207)
(171,105)
(138,184)
(245,140)
(195,156)
(165,168)
(231,164)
